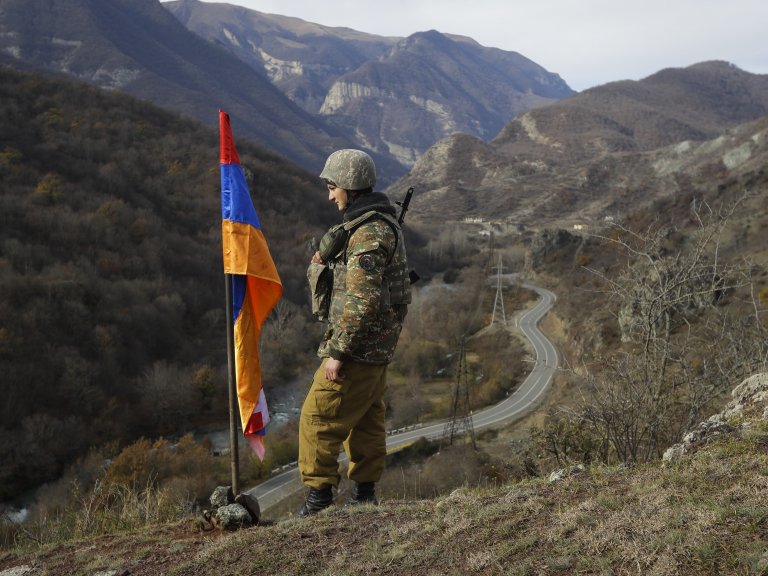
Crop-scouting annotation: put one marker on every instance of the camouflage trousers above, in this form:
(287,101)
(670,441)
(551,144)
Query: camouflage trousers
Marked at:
(349,413)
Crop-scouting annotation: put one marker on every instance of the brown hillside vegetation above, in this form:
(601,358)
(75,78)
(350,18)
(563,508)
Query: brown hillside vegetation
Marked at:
(601,153)
(677,299)
(701,513)
(110,271)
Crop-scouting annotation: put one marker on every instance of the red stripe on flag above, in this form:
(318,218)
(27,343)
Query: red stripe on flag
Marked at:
(228,154)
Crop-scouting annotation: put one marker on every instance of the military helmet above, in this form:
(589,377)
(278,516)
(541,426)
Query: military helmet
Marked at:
(350,169)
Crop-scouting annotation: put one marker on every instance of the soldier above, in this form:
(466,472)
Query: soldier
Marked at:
(369,299)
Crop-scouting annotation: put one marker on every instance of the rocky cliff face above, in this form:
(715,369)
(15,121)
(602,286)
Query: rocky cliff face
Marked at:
(302,59)
(431,85)
(551,245)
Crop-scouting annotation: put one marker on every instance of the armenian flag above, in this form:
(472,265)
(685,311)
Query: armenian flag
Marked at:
(256,286)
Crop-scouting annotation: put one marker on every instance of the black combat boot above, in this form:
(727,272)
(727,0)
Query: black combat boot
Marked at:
(317,499)
(362,493)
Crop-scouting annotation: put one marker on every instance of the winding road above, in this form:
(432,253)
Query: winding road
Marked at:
(522,400)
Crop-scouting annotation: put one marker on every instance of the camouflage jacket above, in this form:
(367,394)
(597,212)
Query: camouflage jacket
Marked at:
(371,291)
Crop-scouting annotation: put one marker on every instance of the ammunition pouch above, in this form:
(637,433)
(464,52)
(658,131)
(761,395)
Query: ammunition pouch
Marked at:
(320,279)
(333,243)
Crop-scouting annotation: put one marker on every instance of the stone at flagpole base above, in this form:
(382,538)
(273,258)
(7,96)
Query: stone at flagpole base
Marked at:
(230,512)
(221,496)
(250,503)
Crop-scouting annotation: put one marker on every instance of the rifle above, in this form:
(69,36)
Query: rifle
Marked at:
(413,277)
(404,205)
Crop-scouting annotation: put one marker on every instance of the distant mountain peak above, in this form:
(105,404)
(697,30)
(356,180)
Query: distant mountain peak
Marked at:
(396,96)
(299,88)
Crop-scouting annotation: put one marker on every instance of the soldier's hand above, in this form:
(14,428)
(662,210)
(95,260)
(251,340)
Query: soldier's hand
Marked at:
(316,258)
(333,370)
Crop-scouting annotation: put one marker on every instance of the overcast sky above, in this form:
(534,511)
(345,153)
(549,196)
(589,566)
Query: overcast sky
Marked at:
(586,42)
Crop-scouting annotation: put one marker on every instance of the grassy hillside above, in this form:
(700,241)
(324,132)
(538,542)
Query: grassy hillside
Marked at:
(703,513)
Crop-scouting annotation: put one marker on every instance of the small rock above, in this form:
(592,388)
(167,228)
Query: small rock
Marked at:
(673,453)
(752,392)
(566,472)
(700,436)
(748,397)
(222,496)
(706,431)
(233,516)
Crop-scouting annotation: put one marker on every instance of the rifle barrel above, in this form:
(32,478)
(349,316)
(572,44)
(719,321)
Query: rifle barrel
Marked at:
(404,205)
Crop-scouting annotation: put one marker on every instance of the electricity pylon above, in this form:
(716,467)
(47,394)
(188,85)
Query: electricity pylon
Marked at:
(499,302)
(460,420)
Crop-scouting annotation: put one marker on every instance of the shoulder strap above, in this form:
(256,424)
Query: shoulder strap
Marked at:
(352,224)
(360,220)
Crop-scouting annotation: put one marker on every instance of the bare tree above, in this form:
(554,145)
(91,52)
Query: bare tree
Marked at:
(682,343)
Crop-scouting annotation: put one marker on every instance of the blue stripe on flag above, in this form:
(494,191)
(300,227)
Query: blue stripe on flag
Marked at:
(236,202)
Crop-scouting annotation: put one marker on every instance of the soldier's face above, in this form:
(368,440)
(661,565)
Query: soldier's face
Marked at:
(338,195)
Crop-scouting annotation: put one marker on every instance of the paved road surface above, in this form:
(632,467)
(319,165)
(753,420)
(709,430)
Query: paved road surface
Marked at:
(526,397)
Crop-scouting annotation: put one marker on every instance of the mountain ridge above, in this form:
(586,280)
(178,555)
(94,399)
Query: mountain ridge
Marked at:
(395,96)
(557,151)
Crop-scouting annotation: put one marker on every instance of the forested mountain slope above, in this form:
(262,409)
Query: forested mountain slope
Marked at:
(111,283)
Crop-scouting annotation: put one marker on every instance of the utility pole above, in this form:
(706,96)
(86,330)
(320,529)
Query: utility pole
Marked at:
(461,415)
(499,302)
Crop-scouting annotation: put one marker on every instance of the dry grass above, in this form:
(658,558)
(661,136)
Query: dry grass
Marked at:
(707,514)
